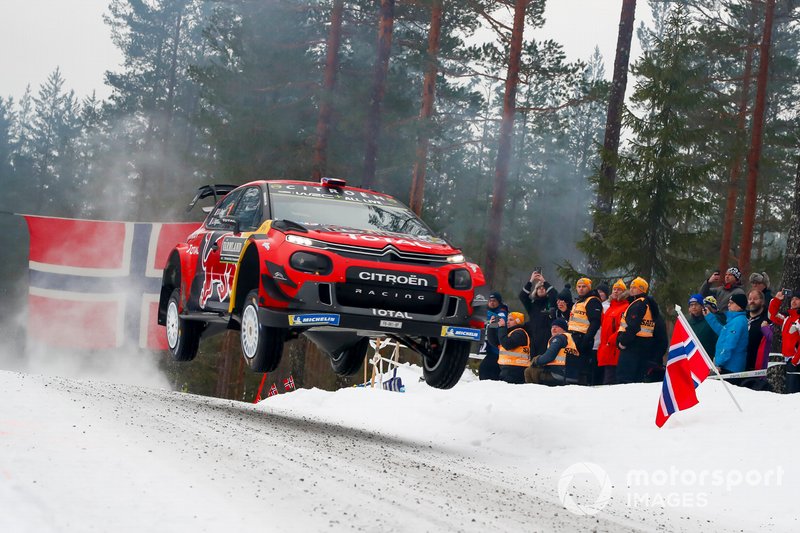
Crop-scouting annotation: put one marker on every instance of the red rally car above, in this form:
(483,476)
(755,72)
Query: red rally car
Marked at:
(340,265)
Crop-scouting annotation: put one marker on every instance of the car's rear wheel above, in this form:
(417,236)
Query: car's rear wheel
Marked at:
(443,367)
(183,336)
(262,346)
(348,360)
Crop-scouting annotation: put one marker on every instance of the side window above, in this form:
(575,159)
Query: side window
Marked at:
(248,210)
(224,209)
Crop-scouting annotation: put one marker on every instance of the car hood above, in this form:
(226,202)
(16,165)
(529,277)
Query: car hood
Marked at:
(380,239)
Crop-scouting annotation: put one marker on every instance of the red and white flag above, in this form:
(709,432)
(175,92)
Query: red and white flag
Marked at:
(272,391)
(686,369)
(96,284)
(288,383)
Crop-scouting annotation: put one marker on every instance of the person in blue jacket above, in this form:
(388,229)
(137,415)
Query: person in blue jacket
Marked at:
(731,352)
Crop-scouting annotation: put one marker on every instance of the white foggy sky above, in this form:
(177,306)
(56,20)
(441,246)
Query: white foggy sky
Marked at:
(36,36)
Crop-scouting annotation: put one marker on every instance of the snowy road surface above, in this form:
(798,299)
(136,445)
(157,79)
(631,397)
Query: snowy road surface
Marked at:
(81,455)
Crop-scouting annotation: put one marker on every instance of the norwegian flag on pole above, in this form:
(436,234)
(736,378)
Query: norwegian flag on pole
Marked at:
(272,391)
(96,284)
(288,384)
(687,367)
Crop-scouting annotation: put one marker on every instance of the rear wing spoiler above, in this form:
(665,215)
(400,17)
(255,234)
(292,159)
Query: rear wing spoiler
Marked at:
(217,191)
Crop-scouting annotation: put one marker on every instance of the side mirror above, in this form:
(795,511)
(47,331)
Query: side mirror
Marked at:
(233,222)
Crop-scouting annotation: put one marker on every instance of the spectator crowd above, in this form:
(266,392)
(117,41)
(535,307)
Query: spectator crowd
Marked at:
(605,336)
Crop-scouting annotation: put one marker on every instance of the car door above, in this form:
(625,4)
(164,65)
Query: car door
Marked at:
(212,283)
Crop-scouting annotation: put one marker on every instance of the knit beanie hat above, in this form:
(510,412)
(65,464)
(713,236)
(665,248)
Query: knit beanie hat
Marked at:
(735,271)
(710,301)
(640,284)
(565,294)
(739,299)
(620,285)
(496,296)
(759,277)
(585,281)
(560,322)
(516,315)
(696,299)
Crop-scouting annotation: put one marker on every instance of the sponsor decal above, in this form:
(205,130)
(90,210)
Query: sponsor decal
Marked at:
(265,244)
(391,324)
(461,333)
(279,276)
(390,294)
(192,250)
(480,298)
(387,240)
(231,249)
(316,319)
(317,191)
(217,283)
(392,314)
(384,277)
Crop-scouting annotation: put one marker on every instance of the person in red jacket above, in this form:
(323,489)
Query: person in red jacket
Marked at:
(608,352)
(790,334)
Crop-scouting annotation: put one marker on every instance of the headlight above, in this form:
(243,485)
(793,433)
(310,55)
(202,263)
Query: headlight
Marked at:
(302,241)
(312,263)
(460,279)
(455,259)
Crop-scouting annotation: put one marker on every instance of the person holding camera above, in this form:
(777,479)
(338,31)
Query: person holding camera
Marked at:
(723,293)
(699,324)
(511,339)
(789,323)
(730,354)
(496,310)
(538,297)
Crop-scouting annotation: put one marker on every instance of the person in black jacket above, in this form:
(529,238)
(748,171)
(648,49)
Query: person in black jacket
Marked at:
(637,334)
(496,310)
(584,323)
(538,297)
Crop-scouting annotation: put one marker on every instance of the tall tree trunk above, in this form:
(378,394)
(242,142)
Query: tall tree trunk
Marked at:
(326,106)
(378,90)
(428,97)
(504,143)
(754,156)
(741,124)
(616,101)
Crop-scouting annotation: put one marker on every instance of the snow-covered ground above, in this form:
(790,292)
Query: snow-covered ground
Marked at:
(88,455)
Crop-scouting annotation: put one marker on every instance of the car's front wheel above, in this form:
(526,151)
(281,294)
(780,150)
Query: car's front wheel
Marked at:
(262,346)
(347,361)
(183,336)
(444,365)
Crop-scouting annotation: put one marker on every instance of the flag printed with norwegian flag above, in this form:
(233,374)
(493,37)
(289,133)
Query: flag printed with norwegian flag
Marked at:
(272,391)
(288,384)
(686,369)
(96,284)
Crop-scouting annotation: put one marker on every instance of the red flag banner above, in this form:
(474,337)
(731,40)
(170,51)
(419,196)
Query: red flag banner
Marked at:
(288,384)
(686,369)
(95,284)
(273,390)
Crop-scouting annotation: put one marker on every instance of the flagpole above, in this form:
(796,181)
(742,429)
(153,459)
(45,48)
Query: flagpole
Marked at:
(702,351)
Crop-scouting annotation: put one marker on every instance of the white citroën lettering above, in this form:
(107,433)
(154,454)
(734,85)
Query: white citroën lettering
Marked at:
(410,279)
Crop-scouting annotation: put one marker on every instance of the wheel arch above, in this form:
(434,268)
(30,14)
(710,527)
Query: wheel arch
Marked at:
(248,276)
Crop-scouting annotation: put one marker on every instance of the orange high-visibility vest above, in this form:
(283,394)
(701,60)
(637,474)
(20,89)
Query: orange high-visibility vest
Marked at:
(519,356)
(569,349)
(648,324)
(578,319)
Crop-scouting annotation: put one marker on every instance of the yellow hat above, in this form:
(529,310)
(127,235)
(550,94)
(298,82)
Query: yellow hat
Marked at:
(585,281)
(516,315)
(619,285)
(640,284)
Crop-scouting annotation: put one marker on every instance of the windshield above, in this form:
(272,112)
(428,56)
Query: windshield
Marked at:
(311,205)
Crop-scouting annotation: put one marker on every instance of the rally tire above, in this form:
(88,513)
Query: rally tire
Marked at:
(348,361)
(444,368)
(262,346)
(183,336)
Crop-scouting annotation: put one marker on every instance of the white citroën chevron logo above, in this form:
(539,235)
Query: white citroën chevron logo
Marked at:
(565,484)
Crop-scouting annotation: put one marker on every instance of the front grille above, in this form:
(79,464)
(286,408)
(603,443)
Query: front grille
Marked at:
(373,296)
(387,254)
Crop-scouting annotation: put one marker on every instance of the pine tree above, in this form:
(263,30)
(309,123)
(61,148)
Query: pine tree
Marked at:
(658,227)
